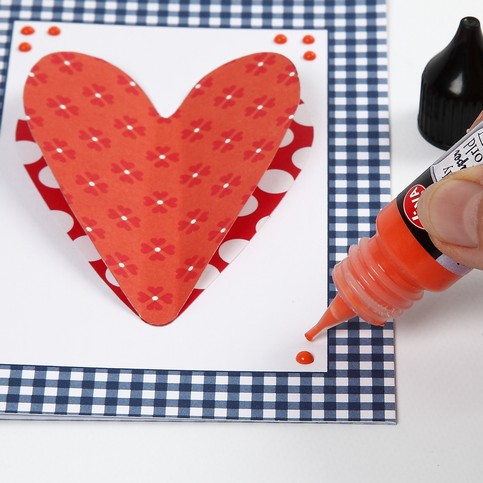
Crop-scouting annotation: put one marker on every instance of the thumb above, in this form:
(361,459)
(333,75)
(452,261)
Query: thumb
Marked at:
(451,211)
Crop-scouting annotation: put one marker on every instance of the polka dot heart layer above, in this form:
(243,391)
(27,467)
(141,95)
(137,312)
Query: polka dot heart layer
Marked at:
(164,224)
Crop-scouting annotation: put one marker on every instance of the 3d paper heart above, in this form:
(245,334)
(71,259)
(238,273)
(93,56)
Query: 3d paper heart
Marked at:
(159,191)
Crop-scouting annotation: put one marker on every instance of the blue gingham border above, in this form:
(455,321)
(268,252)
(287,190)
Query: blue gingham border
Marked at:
(359,385)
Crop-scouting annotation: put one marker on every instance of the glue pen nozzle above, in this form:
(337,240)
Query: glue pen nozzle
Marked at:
(337,312)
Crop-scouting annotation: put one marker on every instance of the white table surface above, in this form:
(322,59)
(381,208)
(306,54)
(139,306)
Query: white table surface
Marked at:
(439,365)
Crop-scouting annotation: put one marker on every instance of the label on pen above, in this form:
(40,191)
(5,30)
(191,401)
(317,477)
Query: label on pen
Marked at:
(466,153)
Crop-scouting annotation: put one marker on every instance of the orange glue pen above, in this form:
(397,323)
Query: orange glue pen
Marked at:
(384,275)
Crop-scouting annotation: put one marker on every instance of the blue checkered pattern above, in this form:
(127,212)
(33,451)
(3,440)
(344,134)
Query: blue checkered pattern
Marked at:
(359,385)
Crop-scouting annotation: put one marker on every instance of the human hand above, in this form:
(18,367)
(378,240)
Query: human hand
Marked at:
(451,211)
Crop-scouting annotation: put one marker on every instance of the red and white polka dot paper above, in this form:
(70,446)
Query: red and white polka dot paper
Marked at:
(160,198)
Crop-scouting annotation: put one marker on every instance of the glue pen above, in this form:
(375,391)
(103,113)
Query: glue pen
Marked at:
(384,275)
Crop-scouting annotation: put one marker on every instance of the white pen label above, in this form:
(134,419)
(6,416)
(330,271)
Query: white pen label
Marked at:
(468,152)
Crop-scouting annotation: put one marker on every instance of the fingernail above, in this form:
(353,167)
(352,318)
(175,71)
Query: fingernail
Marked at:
(451,211)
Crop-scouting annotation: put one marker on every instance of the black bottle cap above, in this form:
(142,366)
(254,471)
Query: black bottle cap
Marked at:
(452,87)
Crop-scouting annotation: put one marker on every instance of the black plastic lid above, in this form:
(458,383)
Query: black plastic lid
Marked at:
(452,87)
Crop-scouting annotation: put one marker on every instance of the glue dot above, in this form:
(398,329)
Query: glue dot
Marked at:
(53,30)
(308,39)
(27,30)
(310,55)
(280,39)
(304,357)
(24,47)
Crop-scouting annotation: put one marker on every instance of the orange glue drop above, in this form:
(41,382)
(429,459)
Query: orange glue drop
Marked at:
(54,30)
(304,357)
(27,30)
(310,55)
(25,47)
(280,39)
(308,39)
(384,275)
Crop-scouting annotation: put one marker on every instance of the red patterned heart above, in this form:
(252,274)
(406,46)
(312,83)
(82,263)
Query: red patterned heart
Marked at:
(160,192)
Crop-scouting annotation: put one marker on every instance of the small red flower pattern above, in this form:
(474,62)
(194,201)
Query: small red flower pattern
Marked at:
(192,221)
(33,118)
(289,76)
(195,175)
(227,182)
(127,172)
(200,88)
(228,140)
(229,97)
(160,202)
(36,77)
(91,183)
(193,266)
(258,150)
(120,265)
(260,63)
(60,150)
(259,107)
(67,63)
(91,228)
(62,107)
(287,119)
(157,249)
(155,298)
(162,156)
(130,87)
(220,233)
(68,197)
(197,130)
(129,127)
(97,95)
(95,139)
(124,218)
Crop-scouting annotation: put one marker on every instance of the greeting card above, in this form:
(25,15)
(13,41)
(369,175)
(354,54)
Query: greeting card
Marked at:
(169,175)
(71,346)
